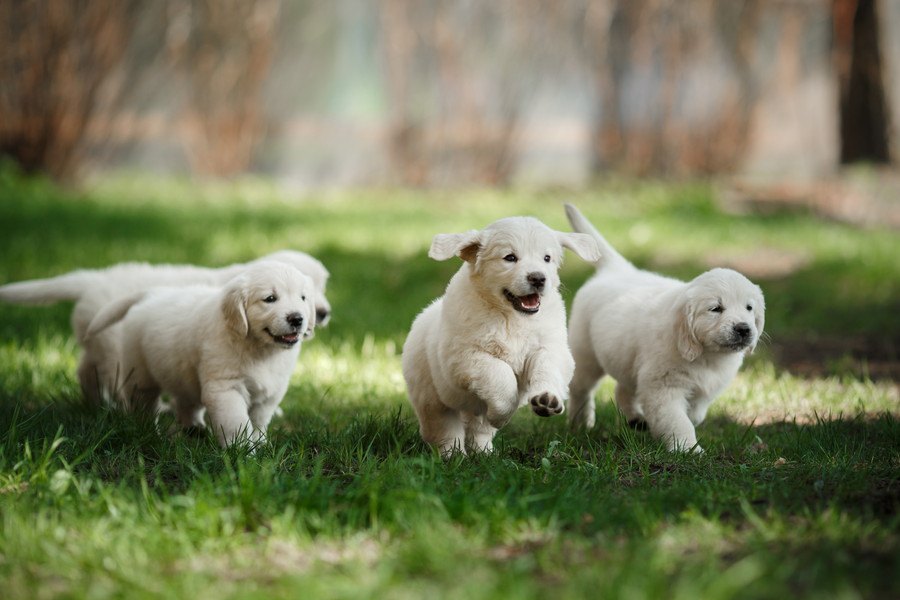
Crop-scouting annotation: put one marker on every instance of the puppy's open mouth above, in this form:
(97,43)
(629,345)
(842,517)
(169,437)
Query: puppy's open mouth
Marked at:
(529,304)
(287,339)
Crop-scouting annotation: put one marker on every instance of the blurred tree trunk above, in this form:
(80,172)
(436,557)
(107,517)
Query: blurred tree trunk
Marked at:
(57,64)
(454,107)
(225,47)
(863,111)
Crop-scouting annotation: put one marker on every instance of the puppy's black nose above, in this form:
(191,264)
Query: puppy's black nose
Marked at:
(295,319)
(537,280)
(743,330)
(322,316)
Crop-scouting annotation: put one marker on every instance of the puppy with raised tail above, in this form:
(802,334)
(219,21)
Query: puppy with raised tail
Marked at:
(93,289)
(228,351)
(671,346)
(496,340)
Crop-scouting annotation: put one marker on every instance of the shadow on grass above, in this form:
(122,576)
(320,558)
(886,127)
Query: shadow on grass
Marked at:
(582,481)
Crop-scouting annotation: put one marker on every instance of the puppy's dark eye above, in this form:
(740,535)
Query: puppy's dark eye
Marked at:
(750,308)
(547,258)
(303,298)
(510,258)
(717,309)
(270,299)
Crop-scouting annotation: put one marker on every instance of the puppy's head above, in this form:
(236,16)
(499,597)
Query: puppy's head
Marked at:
(514,260)
(271,303)
(723,311)
(315,270)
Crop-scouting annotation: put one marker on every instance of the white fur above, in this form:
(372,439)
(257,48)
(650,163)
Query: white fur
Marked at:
(669,353)
(471,359)
(220,350)
(92,289)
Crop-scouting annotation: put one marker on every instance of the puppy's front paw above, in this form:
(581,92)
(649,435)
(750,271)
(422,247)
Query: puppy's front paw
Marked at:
(546,405)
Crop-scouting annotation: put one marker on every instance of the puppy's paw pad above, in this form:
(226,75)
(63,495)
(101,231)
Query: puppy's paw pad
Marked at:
(546,405)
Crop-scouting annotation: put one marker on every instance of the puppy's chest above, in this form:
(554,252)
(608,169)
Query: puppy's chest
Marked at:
(703,383)
(513,352)
(267,382)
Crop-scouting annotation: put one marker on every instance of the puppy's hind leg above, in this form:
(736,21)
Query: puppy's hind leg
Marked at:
(189,415)
(441,426)
(629,407)
(479,434)
(581,389)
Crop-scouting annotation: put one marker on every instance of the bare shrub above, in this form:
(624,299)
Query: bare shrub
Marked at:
(55,66)
(225,48)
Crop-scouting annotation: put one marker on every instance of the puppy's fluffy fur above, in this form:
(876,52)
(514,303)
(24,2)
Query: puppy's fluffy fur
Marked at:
(226,350)
(92,289)
(496,340)
(671,346)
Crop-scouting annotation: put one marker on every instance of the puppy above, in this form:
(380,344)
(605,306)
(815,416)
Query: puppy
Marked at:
(226,350)
(91,290)
(496,340)
(671,346)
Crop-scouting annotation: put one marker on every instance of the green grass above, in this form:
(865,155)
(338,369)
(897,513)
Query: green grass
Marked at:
(797,494)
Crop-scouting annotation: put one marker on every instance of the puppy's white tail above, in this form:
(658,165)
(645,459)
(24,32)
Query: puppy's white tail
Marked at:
(608,255)
(70,286)
(112,313)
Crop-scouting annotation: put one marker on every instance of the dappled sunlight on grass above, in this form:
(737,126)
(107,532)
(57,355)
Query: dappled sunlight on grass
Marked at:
(761,394)
(352,374)
(43,369)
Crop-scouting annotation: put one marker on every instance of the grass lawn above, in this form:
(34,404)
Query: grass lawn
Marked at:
(797,494)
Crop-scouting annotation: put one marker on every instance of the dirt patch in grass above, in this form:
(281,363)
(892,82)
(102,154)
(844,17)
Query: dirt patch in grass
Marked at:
(859,356)
(865,199)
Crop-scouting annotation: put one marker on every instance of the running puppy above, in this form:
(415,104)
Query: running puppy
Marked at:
(496,340)
(671,346)
(92,289)
(228,351)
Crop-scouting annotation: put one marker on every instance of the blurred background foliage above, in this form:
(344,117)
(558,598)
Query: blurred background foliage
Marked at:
(424,92)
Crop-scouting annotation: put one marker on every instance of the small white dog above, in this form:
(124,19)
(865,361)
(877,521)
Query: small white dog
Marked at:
(92,289)
(496,340)
(671,346)
(226,350)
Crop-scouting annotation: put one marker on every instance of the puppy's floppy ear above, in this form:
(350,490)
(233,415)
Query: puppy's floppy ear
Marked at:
(234,306)
(759,316)
(464,245)
(686,340)
(310,332)
(581,244)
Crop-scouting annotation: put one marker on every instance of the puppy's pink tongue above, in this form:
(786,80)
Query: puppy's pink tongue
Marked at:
(530,302)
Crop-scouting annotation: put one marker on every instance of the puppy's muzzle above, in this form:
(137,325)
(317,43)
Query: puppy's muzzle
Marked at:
(295,320)
(741,335)
(537,280)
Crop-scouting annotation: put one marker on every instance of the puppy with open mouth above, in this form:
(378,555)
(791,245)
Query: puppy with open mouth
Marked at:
(496,340)
(93,289)
(672,346)
(227,351)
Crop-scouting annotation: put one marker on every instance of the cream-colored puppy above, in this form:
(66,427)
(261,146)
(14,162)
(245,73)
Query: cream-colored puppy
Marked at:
(496,340)
(227,350)
(671,346)
(92,289)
